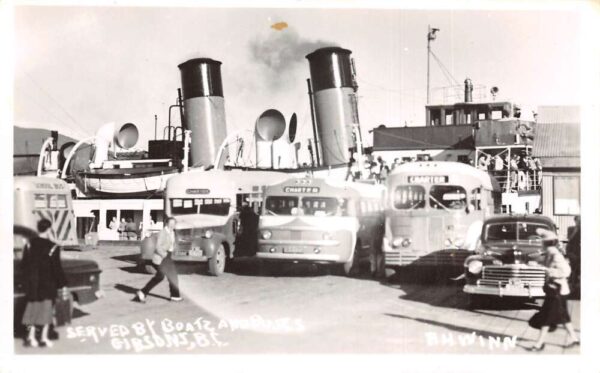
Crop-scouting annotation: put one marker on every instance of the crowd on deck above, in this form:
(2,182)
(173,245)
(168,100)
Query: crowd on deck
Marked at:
(520,172)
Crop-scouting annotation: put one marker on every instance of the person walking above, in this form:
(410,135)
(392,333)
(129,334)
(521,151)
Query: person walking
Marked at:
(554,311)
(45,275)
(163,263)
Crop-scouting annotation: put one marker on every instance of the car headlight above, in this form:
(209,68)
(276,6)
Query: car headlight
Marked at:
(406,242)
(207,233)
(397,242)
(266,235)
(475,267)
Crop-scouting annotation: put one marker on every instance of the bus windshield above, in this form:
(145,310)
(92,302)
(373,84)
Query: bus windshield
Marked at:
(513,231)
(447,197)
(281,205)
(307,206)
(409,197)
(209,206)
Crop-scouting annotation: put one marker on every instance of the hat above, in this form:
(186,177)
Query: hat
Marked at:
(546,235)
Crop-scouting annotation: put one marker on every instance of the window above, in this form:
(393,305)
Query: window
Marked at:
(566,195)
(475,199)
(409,197)
(448,197)
(280,205)
(463,159)
(209,206)
(39,201)
(514,231)
(322,206)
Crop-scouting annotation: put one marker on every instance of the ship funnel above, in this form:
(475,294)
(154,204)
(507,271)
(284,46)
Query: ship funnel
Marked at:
(270,126)
(127,136)
(468,90)
(204,108)
(336,113)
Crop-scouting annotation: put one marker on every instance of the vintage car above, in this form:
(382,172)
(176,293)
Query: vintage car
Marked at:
(82,276)
(509,259)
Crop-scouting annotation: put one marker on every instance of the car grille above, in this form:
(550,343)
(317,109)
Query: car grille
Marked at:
(502,275)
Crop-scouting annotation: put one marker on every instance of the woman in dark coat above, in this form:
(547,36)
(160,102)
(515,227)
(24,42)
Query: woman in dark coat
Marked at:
(554,311)
(44,274)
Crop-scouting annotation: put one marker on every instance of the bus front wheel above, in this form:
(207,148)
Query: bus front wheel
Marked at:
(216,264)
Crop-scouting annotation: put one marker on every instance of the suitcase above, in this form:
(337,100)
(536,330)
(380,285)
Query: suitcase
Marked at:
(63,308)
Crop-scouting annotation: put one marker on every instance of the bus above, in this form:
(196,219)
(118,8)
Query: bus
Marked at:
(216,214)
(37,198)
(434,212)
(321,221)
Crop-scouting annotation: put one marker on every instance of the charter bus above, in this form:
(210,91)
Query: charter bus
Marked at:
(321,221)
(216,214)
(37,198)
(434,212)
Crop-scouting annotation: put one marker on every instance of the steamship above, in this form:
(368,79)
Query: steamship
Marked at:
(111,177)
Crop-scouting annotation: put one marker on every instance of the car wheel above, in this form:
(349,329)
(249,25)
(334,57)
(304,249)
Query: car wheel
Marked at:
(216,264)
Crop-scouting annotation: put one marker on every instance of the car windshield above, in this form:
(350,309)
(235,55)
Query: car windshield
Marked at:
(409,197)
(448,197)
(514,231)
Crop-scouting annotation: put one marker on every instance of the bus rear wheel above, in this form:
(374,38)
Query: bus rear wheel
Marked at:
(216,264)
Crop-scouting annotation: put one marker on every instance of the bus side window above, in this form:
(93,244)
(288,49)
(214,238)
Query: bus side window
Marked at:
(476,199)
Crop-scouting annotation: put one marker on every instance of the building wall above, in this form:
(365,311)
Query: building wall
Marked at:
(562,221)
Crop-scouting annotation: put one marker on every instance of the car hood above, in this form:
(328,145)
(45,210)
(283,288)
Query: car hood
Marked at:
(70,266)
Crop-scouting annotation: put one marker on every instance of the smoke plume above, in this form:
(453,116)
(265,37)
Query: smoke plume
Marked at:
(282,51)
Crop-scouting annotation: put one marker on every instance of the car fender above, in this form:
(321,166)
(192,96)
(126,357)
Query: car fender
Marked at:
(210,245)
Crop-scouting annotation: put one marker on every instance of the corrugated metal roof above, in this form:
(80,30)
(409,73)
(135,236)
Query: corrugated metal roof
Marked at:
(429,137)
(558,144)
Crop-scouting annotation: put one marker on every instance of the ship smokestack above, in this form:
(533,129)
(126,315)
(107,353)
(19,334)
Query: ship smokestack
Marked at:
(204,109)
(468,90)
(334,87)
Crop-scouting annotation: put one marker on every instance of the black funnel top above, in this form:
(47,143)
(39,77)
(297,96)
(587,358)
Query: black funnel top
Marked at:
(201,77)
(330,67)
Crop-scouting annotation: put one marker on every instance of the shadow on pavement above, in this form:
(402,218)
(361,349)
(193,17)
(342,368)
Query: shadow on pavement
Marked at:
(131,290)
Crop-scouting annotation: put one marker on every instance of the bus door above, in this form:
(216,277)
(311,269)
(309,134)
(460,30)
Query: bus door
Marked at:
(245,228)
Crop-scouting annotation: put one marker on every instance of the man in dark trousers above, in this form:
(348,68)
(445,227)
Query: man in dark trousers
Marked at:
(163,263)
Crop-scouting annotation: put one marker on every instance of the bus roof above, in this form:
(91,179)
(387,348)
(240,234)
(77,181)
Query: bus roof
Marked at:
(451,169)
(41,184)
(221,180)
(325,187)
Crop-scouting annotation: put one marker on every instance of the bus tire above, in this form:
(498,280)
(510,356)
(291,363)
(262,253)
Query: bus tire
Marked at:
(216,264)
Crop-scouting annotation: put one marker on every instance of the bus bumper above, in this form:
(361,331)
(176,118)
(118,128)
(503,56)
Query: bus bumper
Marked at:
(300,257)
(504,291)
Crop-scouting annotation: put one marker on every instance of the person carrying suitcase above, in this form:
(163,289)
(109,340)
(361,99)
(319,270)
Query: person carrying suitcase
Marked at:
(163,263)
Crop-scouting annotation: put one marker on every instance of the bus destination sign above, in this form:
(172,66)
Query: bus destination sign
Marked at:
(197,191)
(427,179)
(301,189)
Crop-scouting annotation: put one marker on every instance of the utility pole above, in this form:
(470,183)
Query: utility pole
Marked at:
(430,36)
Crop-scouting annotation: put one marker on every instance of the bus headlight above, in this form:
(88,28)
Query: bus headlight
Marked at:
(459,242)
(397,242)
(207,233)
(406,242)
(266,235)
(448,242)
(475,267)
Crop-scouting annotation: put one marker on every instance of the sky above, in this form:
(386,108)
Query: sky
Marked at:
(77,68)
